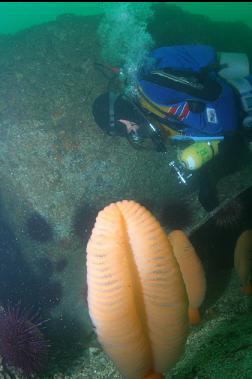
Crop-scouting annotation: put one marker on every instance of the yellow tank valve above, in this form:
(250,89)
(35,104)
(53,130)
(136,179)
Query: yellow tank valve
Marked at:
(197,154)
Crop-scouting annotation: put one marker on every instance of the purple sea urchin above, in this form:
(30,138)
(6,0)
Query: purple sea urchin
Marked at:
(22,344)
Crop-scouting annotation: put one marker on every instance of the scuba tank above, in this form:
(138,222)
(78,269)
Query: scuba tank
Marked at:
(197,154)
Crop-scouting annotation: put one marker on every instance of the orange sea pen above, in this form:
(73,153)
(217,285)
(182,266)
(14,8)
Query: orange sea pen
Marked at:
(243,260)
(136,295)
(192,272)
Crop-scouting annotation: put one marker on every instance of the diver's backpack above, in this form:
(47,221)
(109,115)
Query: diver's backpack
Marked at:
(182,89)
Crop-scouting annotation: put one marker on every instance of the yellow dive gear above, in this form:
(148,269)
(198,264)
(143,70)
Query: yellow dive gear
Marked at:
(197,154)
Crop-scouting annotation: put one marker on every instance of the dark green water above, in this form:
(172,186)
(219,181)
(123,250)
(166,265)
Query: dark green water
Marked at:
(17,16)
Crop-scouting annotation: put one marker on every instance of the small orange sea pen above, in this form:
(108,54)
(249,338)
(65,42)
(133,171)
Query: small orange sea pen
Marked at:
(243,260)
(136,295)
(192,272)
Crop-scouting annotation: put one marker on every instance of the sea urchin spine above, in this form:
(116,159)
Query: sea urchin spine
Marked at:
(22,344)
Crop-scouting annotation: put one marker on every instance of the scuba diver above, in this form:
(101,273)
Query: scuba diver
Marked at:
(186,94)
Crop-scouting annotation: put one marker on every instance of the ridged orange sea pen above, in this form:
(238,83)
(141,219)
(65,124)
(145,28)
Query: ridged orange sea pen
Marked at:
(153,375)
(192,272)
(243,260)
(136,295)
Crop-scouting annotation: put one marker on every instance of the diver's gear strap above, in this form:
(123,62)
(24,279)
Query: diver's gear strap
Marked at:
(208,195)
(196,84)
